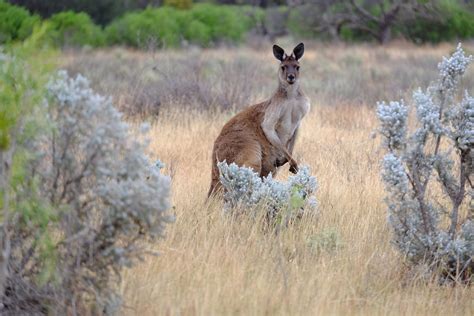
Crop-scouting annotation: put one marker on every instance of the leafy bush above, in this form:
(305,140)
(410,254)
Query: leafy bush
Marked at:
(77,195)
(16,23)
(282,201)
(252,17)
(21,206)
(70,29)
(198,33)
(454,22)
(168,27)
(442,144)
(225,22)
(138,28)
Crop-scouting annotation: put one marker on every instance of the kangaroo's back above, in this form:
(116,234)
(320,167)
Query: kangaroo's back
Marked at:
(241,141)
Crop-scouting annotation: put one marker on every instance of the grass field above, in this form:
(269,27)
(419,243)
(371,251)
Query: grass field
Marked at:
(340,261)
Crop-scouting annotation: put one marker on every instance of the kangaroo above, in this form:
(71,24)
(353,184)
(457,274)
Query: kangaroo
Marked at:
(263,136)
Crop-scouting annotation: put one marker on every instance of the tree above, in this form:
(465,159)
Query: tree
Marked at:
(375,18)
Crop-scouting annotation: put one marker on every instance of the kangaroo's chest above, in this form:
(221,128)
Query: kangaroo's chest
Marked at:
(291,115)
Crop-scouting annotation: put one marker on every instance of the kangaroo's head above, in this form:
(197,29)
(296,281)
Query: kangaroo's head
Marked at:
(289,67)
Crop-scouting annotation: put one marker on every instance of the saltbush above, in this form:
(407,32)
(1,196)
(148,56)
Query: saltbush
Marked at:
(281,201)
(70,29)
(225,22)
(427,174)
(78,196)
(16,23)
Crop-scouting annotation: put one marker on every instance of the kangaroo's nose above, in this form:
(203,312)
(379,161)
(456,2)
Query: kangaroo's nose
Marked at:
(291,77)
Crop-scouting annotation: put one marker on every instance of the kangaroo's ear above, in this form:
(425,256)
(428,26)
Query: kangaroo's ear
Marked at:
(298,51)
(278,52)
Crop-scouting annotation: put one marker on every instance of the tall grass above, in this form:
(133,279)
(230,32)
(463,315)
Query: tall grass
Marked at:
(143,83)
(340,262)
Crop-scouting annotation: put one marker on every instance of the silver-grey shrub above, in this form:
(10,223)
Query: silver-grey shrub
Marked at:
(281,201)
(104,202)
(428,170)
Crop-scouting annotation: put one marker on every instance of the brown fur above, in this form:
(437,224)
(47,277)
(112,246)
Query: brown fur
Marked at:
(245,139)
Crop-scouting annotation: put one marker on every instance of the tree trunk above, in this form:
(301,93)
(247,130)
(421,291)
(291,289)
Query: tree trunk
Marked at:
(385,34)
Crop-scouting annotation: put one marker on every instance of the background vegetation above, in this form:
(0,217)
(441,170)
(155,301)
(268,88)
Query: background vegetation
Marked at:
(176,23)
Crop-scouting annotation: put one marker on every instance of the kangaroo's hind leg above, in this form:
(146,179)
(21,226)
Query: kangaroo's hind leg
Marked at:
(249,156)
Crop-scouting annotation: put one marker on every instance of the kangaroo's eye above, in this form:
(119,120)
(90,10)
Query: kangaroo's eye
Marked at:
(283,68)
(297,68)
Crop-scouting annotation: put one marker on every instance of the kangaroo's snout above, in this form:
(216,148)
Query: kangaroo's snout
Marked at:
(291,79)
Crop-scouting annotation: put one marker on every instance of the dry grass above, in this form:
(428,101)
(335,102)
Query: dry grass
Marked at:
(340,262)
(144,83)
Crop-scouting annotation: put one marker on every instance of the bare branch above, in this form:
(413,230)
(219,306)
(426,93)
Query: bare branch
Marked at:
(363,13)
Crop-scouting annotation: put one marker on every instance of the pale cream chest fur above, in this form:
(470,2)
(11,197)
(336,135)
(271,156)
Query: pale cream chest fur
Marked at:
(286,116)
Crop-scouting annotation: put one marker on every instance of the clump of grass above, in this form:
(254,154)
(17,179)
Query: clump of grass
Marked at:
(328,240)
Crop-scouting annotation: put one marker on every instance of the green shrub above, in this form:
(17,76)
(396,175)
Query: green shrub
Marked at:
(252,17)
(137,28)
(16,23)
(456,22)
(70,29)
(197,33)
(202,25)
(225,22)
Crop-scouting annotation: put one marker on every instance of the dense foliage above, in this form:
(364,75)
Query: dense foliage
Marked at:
(382,20)
(78,195)
(16,23)
(428,174)
(180,22)
(202,24)
(455,22)
(70,29)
